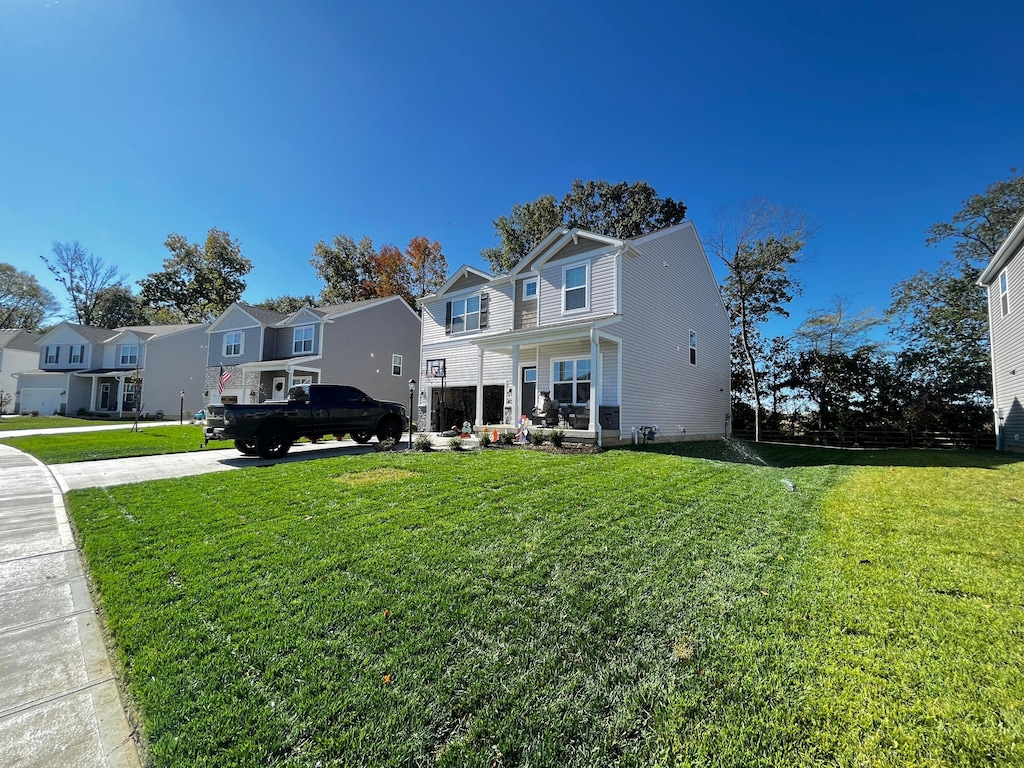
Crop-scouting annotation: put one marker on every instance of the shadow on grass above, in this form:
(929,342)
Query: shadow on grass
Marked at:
(301,452)
(779,455)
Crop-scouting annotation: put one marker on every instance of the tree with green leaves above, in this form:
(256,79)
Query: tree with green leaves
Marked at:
(287,304)
(198,282)
(759,244)
(428,266)
(620,210)
(941,317)
(84,277)
(118,307)
(24,303)
(345,267)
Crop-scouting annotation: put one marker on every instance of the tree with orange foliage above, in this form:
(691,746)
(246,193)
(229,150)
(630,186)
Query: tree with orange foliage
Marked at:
(427,265)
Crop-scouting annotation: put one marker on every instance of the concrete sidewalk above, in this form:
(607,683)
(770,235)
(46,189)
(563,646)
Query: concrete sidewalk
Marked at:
(59,701)
(5,433)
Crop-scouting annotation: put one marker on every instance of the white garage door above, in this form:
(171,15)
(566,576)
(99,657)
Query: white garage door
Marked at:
(44,400)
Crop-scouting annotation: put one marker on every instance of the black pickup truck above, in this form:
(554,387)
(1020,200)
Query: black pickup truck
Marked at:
(270,428)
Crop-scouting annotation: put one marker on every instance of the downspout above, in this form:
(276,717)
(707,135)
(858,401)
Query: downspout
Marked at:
(595,388)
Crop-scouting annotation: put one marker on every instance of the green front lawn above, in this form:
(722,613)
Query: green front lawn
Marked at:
(52,422)
(520,608)
(149,440)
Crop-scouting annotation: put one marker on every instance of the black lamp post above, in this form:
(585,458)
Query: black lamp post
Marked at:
(412,391)
(181,411)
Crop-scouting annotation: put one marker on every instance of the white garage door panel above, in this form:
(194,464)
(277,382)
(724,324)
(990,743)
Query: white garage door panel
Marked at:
(46,401)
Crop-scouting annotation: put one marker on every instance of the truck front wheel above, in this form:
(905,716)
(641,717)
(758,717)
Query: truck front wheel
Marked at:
(362,437)
(273,443)
(246,447)
(390,428)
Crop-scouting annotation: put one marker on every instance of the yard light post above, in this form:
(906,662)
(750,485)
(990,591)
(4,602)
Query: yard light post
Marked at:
(181,410)
(412,391)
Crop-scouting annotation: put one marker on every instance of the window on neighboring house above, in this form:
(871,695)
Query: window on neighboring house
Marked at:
(1004,295)
(302,340)
(575,293)
(129,354)
(233,344)
(570,381)
(693,347)
(465,315)
(396,365)
(76,354)
(52,355)
(530,289)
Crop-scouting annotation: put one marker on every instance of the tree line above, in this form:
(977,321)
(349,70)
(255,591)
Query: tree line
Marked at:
(833,373)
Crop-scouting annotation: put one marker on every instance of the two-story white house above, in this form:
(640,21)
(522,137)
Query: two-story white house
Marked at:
(145,368)
(626,335)
(18,353)
(1003,278)
(257,354)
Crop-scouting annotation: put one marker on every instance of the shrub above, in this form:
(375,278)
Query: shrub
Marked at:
(422,442)
(485,438)
(536,437)
(385,445)
(507,437)
(557,436)
(455,444)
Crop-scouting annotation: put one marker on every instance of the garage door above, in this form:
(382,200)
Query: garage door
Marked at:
(44,400)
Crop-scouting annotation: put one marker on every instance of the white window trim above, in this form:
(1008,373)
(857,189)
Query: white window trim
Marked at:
(51,359)
(397,358)
(575,378)
(535,282)
(81,355)
(585,287)
(241,343)
(126,358)
(1004,294)
(692,356)
(466,314)
(298,344)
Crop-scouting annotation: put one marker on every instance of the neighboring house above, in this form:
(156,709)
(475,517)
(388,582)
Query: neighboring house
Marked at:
(145,368)
(626,335)
(372,345)
(1004,280)
(18,353)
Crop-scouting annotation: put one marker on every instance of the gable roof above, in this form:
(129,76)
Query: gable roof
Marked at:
(463,272)
(1009,248)
(259,315)
(88,333)
(19,339)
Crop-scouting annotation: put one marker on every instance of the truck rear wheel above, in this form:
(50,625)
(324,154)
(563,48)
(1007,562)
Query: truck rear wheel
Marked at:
(390,428)
(273,443)
(246,447)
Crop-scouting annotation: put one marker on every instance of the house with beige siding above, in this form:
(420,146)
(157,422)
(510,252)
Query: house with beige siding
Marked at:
(257,354)
(630,337)
(1003,278)
(122,371)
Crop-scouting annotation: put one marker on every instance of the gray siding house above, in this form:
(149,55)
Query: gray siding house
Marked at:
(145,368)
(626,335)
(18,353)
(257,355)
(1003,278)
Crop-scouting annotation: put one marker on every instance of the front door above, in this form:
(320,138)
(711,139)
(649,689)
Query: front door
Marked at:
(104,397)
(278,392)
(528,388)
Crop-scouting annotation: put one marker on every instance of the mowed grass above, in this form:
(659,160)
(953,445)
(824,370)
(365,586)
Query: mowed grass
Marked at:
(520,608)
(49,422)
(62,448)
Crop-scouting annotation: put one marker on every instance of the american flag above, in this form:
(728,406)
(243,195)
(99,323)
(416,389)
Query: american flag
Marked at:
(223,379)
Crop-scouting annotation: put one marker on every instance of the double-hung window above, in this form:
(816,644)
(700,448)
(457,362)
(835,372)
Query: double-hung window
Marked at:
(396,365)
(76,354)
(1004,294)
(693,347)
(466,315)
(52,354)
(233,344)
(575,281)
(129,354)
(571,381)
(302,340)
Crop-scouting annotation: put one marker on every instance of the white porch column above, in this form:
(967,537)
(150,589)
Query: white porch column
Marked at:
(92,393)
(514,405)
(120,397)
(595,381)
(479,388)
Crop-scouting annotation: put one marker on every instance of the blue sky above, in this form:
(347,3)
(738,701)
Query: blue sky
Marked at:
(289,122)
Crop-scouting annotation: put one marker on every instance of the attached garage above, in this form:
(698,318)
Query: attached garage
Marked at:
(45,400)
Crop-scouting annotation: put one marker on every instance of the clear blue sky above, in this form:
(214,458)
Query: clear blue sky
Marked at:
(289,122)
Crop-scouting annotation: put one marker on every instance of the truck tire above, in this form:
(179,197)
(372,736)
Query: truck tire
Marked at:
(390,428)
(362,437)
(273,442)
(246,447)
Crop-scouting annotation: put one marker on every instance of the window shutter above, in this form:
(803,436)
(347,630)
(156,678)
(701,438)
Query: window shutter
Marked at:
(485,301)
(56,357)
(448,318)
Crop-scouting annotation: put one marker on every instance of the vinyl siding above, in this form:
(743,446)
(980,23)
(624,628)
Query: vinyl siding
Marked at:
(525,312)
(461,360)
(600,288)
(64,339)
(660,305)
(250,346)
(499,314)
(1007,337)
(285,340)
(174,363)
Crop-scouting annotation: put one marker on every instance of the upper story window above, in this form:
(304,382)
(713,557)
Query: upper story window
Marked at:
(129,354)
(302,340)
(233,344)
(1004,294)
(530,289)
(51,354)
(693,347)
(466,315)
(570,381)
(396,365)
(76,354)
(575,281)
